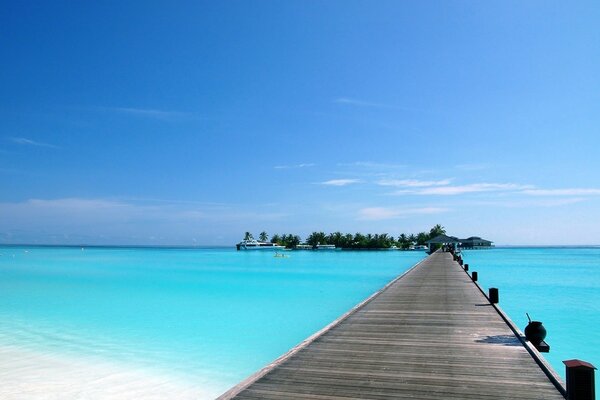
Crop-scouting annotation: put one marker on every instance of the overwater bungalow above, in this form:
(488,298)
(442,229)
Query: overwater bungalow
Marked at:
(442,241)
(473,242)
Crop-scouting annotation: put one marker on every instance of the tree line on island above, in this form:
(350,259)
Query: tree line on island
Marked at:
(352,241)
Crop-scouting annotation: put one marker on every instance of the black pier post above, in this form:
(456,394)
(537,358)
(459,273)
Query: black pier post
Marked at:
(580,380)
(494,296)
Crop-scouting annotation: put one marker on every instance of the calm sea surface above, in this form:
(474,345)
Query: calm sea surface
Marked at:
(558,286)
(195,321)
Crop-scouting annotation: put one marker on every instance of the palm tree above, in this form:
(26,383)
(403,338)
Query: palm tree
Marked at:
(422,237)
(248,236)
(403,240)
(385,241)
(359,241)
(263,237)
(336,239)
(436,231)
(348,238)
(316,238)
(294,241)
(412,238)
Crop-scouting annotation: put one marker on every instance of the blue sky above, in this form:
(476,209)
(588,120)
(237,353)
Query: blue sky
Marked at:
(193,122)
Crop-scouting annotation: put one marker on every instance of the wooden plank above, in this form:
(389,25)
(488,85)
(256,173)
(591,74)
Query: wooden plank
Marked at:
(430,334)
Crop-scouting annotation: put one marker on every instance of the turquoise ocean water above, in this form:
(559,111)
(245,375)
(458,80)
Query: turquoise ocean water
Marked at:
(558,286)
(209,317)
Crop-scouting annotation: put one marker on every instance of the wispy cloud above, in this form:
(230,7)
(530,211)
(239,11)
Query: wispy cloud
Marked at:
(412,182)
(150,113)
(382,213)
(29,142)
(472,167)
(563,192)
(303,165)
(362,103)
(530,202)
(340,182)
(103,210)
(463,189)
(371,165)
(107,220)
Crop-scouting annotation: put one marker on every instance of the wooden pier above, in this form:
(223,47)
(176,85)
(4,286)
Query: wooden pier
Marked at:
(429,334)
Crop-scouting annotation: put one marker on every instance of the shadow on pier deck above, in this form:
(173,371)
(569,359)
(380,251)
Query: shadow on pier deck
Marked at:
(430,334)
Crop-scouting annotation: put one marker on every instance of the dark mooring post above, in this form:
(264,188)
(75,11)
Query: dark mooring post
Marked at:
(474,276)
(494,296)
(467,267)
(580,380)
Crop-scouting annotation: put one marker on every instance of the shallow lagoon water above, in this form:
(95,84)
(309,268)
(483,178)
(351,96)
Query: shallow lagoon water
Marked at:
(558,286)
(124,323)
(187,322)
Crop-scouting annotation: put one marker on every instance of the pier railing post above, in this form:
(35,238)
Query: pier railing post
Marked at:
(466,267)
(494,296)
(474,276)
(580,380)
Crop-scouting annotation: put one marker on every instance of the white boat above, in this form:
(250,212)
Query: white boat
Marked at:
(256,245)
(325,247)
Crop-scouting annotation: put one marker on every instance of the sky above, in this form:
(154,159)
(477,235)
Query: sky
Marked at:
(190,123)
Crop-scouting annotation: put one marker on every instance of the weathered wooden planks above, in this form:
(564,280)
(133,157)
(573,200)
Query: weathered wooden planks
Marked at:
(429,335)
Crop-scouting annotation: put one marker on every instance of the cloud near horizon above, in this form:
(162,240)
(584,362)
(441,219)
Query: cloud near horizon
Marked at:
(80,220)
(75,211)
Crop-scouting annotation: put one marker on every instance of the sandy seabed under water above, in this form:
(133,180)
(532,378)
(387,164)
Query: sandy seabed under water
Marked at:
(27,374)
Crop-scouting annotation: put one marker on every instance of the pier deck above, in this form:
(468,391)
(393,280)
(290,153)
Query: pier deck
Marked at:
(431,334)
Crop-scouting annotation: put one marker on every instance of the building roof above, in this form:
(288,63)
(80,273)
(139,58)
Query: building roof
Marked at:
(475,239)
(443,239)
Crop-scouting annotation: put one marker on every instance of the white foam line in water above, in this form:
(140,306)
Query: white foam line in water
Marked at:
(27,374)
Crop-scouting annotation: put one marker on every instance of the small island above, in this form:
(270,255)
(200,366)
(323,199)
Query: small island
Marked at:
(357,241)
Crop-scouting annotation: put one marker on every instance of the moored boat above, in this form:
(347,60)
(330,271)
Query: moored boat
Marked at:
(252,244)
(304,247)
(325,247)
